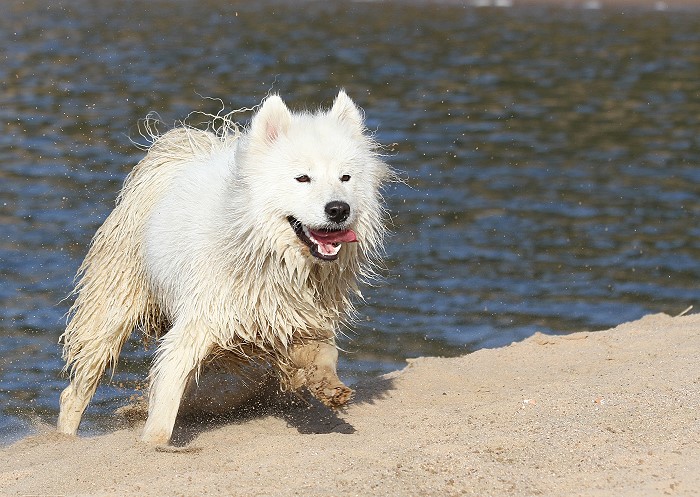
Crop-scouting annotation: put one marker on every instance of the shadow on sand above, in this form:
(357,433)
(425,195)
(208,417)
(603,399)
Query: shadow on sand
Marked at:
(211,407)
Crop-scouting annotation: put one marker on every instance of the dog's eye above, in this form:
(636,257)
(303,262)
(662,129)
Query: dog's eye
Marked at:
(304,178)
(345,177)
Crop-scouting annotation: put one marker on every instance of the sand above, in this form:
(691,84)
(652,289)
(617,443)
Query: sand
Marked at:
(611,413)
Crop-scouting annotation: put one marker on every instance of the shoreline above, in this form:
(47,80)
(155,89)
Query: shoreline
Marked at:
(601,413)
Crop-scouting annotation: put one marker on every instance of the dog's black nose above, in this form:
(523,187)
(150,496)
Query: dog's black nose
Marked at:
(337,211)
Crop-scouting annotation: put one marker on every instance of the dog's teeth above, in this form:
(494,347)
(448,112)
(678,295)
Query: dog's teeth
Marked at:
(333,249)
(307,233)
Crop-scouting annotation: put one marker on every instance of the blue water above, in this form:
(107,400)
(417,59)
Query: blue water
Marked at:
(550,158)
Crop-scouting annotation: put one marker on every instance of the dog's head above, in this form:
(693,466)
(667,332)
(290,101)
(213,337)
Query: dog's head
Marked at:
(315,177)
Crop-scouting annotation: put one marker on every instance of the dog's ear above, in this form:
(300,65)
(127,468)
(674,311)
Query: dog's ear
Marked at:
(345,110)
(271,121)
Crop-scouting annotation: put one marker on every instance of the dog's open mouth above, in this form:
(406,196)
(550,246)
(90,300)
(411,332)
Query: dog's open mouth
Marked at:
(323,244)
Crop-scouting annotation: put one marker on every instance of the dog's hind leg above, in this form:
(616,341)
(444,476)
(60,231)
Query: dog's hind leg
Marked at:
(179,356)
(317,362)
(112,301)
(90,348)
(113,298)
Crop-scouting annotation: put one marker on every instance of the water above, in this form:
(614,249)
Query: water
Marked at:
(550,158)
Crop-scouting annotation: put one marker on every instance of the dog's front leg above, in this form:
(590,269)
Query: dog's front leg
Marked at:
(179,356)
(317,371)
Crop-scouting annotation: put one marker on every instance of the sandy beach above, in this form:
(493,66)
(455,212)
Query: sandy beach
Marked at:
(605,413)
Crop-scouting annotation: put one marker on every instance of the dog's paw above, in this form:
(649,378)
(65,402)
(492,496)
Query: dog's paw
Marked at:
(332,395)
(158,438)
(339,396)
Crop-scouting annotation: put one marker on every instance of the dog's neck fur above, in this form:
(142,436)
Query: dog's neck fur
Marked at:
(280,270)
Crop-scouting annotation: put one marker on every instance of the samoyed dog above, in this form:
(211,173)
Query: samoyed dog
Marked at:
(245,243)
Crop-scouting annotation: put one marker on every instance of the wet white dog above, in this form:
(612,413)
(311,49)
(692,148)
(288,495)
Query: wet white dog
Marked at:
(246,243)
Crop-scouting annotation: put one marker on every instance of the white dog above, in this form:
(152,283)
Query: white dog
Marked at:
(245,243)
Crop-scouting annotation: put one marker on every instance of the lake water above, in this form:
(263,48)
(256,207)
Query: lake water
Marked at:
(550,158)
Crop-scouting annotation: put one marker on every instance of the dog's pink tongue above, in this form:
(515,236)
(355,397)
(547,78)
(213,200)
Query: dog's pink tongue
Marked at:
(344,236)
